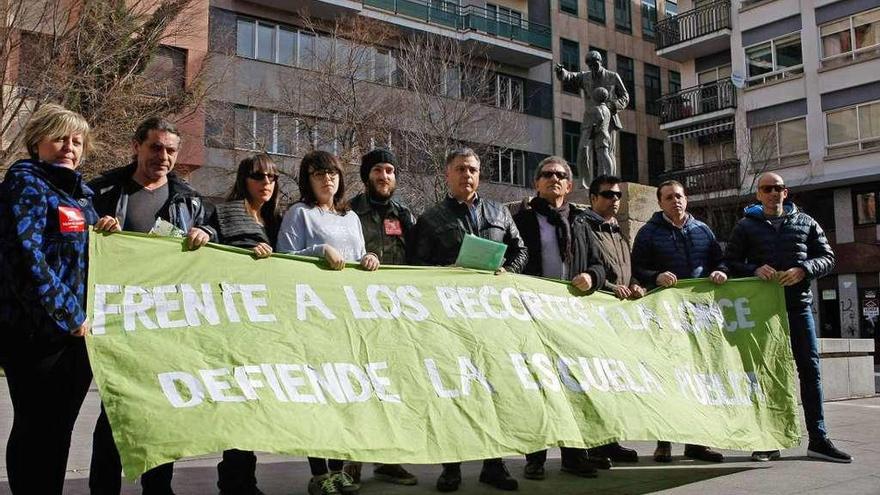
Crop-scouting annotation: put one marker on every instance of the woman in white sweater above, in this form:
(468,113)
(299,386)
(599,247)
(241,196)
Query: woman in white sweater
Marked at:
(321,225)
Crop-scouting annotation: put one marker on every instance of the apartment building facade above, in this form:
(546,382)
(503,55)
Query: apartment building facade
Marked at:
(789,86)
(623,31)
(259,47)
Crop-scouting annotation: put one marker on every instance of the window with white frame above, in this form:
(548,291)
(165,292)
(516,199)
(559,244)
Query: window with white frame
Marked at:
(779,144)
(853,128)
(851,38)
(299,48)
(507,167)
(509,92)
(282,134)
(775,59)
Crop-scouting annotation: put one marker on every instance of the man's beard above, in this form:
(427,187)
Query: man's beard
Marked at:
(376,195)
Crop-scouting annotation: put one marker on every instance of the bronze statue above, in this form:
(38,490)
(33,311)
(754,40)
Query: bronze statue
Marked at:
(597,143)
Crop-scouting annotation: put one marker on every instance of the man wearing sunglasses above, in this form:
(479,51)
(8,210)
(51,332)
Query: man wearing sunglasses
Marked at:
(560,246)
(777,242)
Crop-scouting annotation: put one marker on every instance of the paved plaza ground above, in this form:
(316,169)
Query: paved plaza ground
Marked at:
(854,426)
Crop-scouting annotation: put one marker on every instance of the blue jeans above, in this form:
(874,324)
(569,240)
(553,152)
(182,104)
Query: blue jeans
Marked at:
(805,348)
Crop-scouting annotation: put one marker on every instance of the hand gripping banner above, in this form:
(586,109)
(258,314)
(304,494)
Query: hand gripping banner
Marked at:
(199,351)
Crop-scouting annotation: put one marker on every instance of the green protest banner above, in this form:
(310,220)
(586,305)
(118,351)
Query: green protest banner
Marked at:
(200,351)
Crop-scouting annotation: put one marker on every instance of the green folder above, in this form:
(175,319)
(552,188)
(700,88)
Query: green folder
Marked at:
(480,253)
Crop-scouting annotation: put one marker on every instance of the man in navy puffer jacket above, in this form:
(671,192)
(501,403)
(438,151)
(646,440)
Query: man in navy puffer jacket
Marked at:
(777,242)
(674,245)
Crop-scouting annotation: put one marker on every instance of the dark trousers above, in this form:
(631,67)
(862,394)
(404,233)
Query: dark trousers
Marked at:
(569,454)
(46,395)
(236,473)
(105,471)
(486,463)
(805,348)
(319,465)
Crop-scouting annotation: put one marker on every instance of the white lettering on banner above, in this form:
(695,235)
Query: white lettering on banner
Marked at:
(467,373)
(387,303)
(742,311)
(307,298)
(176,306)
(298,383)
(581,374)
(709,389)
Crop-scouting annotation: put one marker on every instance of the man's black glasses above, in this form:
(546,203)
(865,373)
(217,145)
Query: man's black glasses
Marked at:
(611,194)
(774,188)
(551,173)
(261,176)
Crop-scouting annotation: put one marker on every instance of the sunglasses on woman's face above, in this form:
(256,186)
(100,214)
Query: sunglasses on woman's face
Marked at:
(611,194)
(261,176)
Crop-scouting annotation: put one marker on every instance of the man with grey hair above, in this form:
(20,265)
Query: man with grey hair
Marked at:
(440,231)
(597,77)
(560,246)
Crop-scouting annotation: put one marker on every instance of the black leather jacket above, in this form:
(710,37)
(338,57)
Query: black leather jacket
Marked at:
(442,227)
(184,209)
(800,242)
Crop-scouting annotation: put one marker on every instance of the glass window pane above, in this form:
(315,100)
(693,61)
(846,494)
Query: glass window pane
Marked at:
(265,135)
(516,95)
(841,126)
(759,59)
(596,10)
(505,167)
(866,208)
(266,42)
(307,50)
(869,120)
(245,38)
(519,166)
(383,68)
(836,38)
(867,29)
(792,136)
(323,53)
(286,47)
(287,135)
(244,128)
(763,141)
(788,53)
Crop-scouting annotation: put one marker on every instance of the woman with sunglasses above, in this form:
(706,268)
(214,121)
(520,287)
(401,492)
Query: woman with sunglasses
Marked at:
(322,225)
(249,219)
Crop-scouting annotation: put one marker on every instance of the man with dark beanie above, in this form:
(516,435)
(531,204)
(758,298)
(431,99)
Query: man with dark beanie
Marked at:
(386,224)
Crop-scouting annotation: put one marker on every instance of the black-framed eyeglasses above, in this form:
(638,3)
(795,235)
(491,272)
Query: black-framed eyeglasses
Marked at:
(608,194)
(546,174)
(324,173)
(774,188)
(261,176)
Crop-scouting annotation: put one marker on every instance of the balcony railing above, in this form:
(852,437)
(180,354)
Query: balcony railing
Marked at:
(469,18)
(708,177)
(698,100)
(693,24)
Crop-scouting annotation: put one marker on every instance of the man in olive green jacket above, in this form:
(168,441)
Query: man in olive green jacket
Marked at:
(386,223)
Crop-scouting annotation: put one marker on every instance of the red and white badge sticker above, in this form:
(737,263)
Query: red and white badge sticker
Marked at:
(392,227)
(71,219)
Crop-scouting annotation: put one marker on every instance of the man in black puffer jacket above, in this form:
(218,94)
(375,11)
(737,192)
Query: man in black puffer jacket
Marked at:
(674,245)
(775,241)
